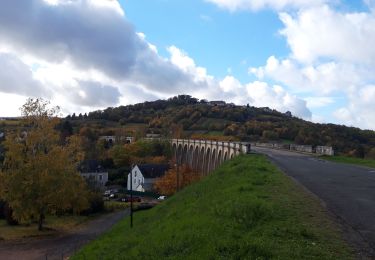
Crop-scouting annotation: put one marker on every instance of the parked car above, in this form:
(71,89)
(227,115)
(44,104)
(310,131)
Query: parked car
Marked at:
(111,193)
(128,199)
(113,196)
(162,197)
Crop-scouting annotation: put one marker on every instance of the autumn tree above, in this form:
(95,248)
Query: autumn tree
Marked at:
(39,173)
(167,184)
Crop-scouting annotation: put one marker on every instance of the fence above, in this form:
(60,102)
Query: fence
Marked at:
(322,150)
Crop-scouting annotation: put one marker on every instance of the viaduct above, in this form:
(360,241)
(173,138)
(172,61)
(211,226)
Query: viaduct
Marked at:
(205,156)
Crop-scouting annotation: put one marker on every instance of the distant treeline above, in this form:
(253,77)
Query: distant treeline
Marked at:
(183,116)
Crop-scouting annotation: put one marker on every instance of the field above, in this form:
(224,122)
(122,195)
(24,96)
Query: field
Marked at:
(53,226)
(351,160)
(245,209)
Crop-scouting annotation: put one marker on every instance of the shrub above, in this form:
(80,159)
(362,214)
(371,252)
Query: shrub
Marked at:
(96,204)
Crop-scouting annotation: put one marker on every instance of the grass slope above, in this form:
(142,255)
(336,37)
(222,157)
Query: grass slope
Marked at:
(351,160)
(247,209)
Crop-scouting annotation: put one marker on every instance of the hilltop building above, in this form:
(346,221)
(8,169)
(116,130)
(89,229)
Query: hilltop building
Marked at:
(217,103)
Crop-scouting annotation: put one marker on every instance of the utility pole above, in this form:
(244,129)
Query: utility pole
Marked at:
(177,178)
(131,198)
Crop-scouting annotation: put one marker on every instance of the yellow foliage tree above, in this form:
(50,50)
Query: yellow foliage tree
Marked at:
(167,184)
(40,174)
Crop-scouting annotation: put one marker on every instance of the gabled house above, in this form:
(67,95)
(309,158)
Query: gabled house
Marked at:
(94,174)
(143,176)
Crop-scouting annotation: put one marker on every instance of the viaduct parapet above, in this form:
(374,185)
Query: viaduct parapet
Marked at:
(205,155)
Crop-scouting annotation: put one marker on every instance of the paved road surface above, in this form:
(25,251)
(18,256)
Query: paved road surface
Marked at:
(348,191)
(59,247)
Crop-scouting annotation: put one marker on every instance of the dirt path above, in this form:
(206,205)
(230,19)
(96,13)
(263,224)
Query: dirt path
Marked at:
(62,246)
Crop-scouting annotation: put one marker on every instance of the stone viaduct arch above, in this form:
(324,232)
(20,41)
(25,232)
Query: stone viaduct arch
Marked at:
(205,156)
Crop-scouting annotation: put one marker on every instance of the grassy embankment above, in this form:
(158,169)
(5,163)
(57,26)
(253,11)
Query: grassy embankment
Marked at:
(245,209)
(351,160)
(54,225)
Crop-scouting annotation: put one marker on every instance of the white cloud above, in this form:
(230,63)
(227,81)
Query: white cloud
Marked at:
(316,102)
(10,104)
(255,5)
(89,36)
(331,54)
(66,43)
(322,32)
(277,98)
(323,78)
(16,77)
(360,111)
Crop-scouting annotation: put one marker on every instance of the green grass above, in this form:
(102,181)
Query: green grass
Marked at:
(215,133)
(351,160)
(247,209)
(111,206)
(53,226)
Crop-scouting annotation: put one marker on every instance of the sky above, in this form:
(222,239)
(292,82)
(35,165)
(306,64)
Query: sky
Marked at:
(315,58)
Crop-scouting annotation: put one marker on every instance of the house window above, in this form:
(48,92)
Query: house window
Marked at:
(135,173)
(100,177)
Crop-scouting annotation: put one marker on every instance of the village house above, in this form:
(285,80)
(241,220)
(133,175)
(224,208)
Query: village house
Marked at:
(143,176)
(111,139)
(94,174)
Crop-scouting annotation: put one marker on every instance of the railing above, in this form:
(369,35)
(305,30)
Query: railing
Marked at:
(322,150)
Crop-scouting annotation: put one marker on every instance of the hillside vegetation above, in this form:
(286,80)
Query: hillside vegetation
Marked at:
(185,116)
(247,209)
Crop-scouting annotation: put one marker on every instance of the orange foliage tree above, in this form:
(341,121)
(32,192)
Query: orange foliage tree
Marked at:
(167,184)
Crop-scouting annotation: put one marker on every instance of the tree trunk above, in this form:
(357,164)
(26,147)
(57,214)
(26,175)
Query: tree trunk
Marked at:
(40,222)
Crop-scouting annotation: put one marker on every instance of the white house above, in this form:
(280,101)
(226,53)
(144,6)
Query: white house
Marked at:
(142,177)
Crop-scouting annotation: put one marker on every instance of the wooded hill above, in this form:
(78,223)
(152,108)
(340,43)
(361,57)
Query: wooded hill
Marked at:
(186,117)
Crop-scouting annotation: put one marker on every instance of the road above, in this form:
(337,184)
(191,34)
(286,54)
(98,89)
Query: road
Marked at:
(62,246)
(347,191)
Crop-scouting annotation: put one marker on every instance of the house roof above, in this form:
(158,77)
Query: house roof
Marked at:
(90,166)
(153,170)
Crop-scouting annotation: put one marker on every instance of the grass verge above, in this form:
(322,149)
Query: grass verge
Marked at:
(247,209)
(350,160)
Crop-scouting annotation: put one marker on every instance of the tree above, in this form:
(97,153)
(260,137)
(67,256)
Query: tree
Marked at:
(120,156)
(40,174)
(167,184)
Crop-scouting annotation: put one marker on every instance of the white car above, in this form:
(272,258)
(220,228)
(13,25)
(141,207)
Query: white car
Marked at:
(162,197)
